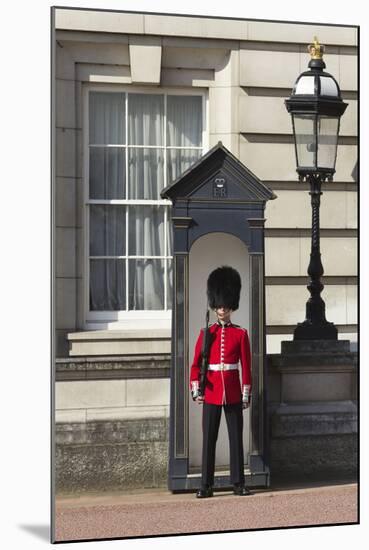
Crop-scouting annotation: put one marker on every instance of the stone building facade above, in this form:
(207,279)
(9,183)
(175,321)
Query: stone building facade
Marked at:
(112,367)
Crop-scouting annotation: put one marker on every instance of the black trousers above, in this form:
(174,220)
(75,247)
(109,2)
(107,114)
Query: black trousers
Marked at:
(210,427)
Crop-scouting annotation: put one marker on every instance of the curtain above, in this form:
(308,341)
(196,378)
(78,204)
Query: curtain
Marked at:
(184,129)
(107,173)
(146,276)
(107,285)
(146,284)
(143,181)
(145,119)
(107,181)
(145,173)
(146,179)
(107,276)
(184,121)
(107,118)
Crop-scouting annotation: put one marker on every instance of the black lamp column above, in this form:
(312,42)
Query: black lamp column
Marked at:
(315,326)
(316,107)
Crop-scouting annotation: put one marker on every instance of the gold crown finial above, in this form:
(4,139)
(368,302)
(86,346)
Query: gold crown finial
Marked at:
(316,50)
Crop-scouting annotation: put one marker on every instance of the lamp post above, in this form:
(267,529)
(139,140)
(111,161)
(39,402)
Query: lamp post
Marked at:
(316,107)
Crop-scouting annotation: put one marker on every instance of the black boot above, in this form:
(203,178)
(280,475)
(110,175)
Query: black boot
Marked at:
(241,490)
(205,491)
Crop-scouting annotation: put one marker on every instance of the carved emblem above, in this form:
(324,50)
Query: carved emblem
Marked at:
(220,188)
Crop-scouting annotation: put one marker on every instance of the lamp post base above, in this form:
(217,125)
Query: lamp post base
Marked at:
(315,348)
(310,331)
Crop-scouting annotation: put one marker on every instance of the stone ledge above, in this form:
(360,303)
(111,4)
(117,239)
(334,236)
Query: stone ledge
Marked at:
(96,414)
(200,26)
(302,33)
(310,362)
(315,346)
(310,407)
(120,342)
(119,334)
(113,367)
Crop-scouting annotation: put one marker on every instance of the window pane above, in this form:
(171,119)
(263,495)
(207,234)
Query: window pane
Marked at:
(305,140)
(107,285)
(146,230)
(147,279)
(107,118)
(146,284)
(145,119)
(184,121)
(179,161)
(107,230)
(146,173)
(107,173)
(169,283)
(327,141)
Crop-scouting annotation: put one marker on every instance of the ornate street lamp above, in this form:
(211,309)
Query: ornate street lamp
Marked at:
(316,107)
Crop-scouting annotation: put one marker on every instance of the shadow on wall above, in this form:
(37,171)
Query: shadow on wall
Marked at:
(354,173)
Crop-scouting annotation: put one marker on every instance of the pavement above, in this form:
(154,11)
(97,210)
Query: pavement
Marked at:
(145,513)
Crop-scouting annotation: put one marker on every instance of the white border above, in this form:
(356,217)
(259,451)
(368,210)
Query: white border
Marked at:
(25,461)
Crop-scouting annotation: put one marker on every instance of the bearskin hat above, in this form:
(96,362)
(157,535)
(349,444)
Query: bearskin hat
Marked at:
(223,288)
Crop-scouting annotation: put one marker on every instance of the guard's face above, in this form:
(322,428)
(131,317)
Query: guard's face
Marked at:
(223,313)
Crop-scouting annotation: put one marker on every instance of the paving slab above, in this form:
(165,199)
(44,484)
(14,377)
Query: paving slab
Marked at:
(151,513)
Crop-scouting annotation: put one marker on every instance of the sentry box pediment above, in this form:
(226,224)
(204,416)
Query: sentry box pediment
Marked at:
(218,194)
(218,218)
(218,176)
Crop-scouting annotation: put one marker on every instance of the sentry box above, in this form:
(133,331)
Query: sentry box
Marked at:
(218,219)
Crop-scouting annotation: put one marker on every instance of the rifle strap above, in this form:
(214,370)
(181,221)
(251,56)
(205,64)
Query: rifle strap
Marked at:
(205,339)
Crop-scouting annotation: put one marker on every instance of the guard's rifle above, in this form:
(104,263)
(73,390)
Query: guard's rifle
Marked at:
(204,355)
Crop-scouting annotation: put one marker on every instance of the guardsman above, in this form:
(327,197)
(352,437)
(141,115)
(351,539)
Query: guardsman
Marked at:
(229,345)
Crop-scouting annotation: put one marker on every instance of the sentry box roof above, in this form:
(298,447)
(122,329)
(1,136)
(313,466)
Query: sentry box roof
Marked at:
(218,176)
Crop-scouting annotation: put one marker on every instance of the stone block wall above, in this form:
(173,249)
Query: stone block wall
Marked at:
(111,423)
(111,455)
(324,457)
(107,438)
(247,69)
(108,432)
(312,407)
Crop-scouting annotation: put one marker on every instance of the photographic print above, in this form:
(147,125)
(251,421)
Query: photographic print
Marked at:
(204,196)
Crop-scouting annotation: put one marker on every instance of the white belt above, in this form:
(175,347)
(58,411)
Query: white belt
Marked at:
(225,366)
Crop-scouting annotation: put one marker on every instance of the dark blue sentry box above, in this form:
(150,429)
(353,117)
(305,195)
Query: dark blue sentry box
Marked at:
(217,195)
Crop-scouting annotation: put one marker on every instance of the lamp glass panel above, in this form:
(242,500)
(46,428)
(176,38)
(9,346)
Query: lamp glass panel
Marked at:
(328,86)
(305,86)
(327,141)
(305,140)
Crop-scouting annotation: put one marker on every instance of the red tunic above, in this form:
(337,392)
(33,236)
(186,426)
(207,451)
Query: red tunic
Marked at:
(223,386)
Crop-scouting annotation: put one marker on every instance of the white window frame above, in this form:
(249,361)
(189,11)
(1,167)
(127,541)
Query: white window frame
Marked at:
(135,318)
